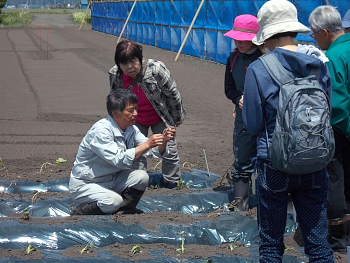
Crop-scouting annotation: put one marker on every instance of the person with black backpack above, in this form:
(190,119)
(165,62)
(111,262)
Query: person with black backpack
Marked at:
(287,105)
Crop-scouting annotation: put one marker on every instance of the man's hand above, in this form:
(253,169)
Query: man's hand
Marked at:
(155,140)
(234,113)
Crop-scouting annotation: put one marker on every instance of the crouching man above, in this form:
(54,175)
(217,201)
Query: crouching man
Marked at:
(102,180)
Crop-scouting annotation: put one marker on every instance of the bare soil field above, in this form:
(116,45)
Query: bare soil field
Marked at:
(52,92)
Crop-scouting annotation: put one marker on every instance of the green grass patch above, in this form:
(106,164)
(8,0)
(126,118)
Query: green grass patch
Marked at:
(15,19)
(79,16)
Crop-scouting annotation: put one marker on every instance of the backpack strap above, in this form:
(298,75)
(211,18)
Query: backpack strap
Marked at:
(275,69)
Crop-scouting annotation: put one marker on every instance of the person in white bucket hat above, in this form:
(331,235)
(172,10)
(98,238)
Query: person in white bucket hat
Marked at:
(278,27)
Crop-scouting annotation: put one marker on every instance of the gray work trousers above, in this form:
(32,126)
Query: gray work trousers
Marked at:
(170,162)
(107,192)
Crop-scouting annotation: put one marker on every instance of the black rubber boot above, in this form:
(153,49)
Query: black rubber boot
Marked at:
(241,192)
(337,235)
(87,209)
(132,196)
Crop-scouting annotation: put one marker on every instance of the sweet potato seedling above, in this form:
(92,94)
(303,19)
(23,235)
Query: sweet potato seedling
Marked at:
(31,248)
(58,161)
(136,249)
(232,246)
(25,214)
(87,248)
(182,249)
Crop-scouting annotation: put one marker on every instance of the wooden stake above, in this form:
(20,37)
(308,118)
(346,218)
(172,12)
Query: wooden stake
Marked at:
(47,42)
(87,9)
(189,29)
(126,21)
(40,34)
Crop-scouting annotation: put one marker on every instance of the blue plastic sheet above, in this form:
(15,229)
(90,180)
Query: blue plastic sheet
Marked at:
(103,230)
(164,24)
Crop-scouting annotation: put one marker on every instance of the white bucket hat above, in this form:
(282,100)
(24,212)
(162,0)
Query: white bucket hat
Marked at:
(277,16)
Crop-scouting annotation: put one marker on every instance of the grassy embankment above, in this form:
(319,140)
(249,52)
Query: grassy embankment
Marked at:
(22,17)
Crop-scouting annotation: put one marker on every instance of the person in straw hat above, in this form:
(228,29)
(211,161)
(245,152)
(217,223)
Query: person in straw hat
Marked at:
(278,27)
(244,30)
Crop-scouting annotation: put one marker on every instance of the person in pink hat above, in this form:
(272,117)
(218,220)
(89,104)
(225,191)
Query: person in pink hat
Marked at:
(244,30)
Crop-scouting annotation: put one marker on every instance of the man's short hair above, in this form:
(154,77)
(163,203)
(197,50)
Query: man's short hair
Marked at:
(118,99)
(326,17)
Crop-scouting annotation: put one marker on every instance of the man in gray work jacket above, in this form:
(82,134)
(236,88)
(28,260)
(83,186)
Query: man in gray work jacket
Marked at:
(102,180)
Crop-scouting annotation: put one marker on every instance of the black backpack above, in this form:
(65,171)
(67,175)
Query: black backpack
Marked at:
(303,140)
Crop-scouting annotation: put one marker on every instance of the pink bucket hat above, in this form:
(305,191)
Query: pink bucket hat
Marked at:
(245,28)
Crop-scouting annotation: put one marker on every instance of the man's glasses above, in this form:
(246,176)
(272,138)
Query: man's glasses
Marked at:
(313,34)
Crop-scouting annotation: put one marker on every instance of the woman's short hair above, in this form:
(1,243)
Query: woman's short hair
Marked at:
(326,17)
(118,99)
(127,50)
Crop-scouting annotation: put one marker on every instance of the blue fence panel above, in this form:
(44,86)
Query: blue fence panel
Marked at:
(201,18)
(166,13)
(151,35)
(150,17)
(144,12)
(166,37)
(145,34)
(225,15)
(158,12)
(211,40)
(139,33)
(175,35)
(175,14)
(164,23)
(136,14)
(187,12)
(212,18)
(158,36)
(223,48)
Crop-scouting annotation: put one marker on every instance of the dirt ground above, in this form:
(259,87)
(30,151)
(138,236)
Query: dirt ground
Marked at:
(53,91)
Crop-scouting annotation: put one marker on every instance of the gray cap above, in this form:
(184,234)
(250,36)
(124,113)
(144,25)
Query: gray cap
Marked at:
(346,20)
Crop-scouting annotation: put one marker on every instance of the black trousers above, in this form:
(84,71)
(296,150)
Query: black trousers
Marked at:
(339,178)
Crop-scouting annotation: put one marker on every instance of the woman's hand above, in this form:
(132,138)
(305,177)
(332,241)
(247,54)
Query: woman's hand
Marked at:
(178,123)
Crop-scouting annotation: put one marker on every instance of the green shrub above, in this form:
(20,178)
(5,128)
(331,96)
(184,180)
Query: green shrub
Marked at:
(78,17)
(15,19)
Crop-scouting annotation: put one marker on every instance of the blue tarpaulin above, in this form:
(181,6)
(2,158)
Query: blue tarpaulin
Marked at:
(102,231)
(164,24)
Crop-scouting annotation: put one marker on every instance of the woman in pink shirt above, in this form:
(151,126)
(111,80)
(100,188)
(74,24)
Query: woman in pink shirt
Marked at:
(160,105)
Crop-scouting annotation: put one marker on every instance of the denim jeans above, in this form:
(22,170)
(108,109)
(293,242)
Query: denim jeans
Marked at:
(309,196)
(170,163)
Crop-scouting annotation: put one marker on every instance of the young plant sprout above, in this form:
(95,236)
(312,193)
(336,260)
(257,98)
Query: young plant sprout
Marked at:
(180,184)
(87,248)
(58,161)
(136,249)
(31,248)
(26,215)
(182,249)
(232,247)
